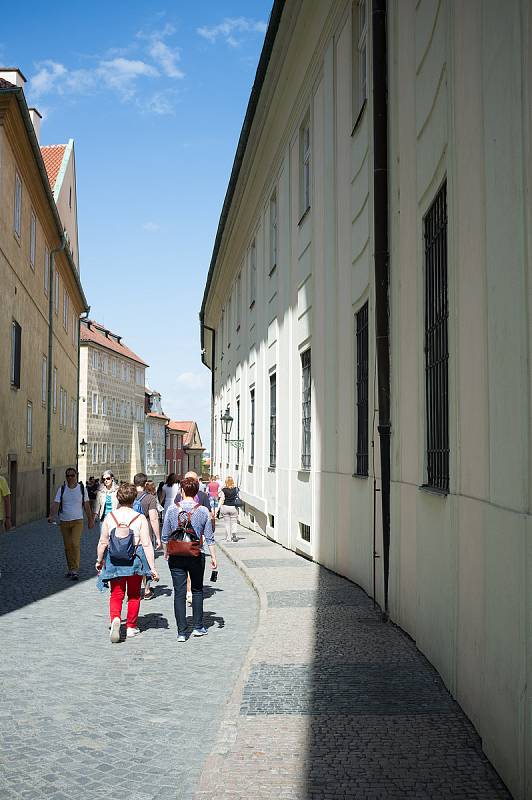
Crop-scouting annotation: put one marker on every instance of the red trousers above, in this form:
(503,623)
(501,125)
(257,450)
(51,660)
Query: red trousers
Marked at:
(133,584)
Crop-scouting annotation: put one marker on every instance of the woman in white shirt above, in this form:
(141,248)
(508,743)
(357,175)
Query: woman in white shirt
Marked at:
(128,574)
(169,492)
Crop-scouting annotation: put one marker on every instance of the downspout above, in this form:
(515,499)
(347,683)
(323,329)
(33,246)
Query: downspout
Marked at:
(81,318)
(382,309)
(50,370)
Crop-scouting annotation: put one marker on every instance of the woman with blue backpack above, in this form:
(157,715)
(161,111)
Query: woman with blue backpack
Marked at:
(124,556)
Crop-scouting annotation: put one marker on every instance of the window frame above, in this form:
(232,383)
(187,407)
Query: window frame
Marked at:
(273,420)
(46,277)
(305,166)
(93,404)
(362,390)
(274,232)
(33,238)
(16,354)
(252,422)
(17,207)
(29,425)
(252,273)
(44,379)
(54,391)
(306,409)
(359,60)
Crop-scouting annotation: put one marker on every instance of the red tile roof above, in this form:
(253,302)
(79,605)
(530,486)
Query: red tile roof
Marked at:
(100,335)
(52,155)
(176,426)
(157,416)
(188,427)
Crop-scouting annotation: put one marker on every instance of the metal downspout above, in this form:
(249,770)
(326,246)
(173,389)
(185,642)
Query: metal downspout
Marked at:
(50,372)
(83,317)
(382,309)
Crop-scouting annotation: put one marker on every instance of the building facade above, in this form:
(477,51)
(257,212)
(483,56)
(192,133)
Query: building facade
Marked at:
(42,299)
(111,418)
(184,448)
(372,268)
(155,437)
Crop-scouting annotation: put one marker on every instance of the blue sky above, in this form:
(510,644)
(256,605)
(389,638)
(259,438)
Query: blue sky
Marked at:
(154,100)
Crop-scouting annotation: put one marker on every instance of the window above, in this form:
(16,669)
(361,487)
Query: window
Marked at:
(139,376)
(113,407)
(94,453)
(73,414)
(304,532)
(104,406)
(304,165)
(305,409)
(252,274)
(54,391)
(103,449)
(362,390)
(60,406)
(122,408)
(238,309)
(29,425)
(17,219)
(252,427)
(44,379)
(436,343)
(273,232)
(273,419)
(16,352)
(359,24)
(229,330)
(95,402)
(65,409)
(238,429)
(124,375)
(56,291)
(94,362)
(46,276)
(112,453)
(33,236)
(106,363)
(66,300)
(113,367)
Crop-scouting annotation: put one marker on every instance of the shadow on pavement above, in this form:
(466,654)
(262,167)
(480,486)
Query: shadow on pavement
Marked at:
(381,722)
(33,566)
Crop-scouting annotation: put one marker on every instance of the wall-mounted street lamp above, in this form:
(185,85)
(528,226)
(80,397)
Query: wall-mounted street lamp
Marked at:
(227,423)
(83,446)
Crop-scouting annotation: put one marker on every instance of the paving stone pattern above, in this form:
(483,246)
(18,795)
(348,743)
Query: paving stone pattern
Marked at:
(81,718)
(334,703)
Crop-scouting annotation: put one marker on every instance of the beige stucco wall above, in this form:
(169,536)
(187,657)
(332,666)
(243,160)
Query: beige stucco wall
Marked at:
(65,194)
(24,300)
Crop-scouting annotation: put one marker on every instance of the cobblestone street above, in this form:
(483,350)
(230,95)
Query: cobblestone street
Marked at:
(308,697)
(81,718)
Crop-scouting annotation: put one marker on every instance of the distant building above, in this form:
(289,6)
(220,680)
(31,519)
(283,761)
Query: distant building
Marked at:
(41,294)
(155,436)
(184,448)
(111,418)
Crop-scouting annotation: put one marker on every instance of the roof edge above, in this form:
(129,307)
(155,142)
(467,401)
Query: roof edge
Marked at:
(260,75)
(69,148)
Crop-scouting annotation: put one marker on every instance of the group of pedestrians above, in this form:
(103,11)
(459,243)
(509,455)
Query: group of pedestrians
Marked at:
(130,534)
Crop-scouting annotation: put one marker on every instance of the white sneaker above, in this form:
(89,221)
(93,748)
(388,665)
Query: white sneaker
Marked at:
(189,598)
(115,630)
(132,632)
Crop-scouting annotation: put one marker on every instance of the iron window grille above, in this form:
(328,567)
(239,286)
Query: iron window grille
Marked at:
(252,428)
(304,531)
(436,343)
(273,419)
(16,353)
(362,390)
(306,409)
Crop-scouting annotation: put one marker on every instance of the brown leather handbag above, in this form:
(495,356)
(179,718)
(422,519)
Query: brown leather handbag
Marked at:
(184,540)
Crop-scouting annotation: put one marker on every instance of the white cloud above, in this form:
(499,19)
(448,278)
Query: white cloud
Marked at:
(160,103)
(166,58)
(152,227)
(231,26)
(121,74)
(194,381)
(46,78)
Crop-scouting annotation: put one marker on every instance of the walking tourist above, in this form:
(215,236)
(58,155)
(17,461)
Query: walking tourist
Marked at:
(213,489)
(169,492)
(124,556)
(5,505)
(92,487)
(203,499)
(191,516)
(70,501)
(146,503)
(106,500)
(228,509)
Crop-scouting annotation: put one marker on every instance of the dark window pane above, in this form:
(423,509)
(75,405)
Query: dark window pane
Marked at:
(252,428)
(273,420)
(362,390)
(306,409)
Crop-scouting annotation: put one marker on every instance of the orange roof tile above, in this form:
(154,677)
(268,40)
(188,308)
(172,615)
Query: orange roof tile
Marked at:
(157,416)
(188,427)
(176,426)
(52,155)
(98,334)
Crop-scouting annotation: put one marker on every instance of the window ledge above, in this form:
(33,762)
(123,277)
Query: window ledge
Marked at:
(362,475)
(433,490)
(359,116)
(305,213)
(271,469)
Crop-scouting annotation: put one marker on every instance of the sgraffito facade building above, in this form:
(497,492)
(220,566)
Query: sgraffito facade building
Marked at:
(367,321)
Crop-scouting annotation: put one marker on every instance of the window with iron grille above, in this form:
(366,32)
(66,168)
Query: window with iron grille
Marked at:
(305,410)
(238,429)
(273,419)
(436,343)
(362,390)
(304,532)
(252,427)
(16,353)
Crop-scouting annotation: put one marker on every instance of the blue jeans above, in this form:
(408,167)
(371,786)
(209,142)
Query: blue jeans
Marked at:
(180,567)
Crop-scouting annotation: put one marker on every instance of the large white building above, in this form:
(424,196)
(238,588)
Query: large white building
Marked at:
(111,407)
(380,201)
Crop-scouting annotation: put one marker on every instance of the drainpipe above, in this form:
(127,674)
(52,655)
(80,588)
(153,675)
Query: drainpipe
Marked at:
(50,371)
(83,318)
(382,309)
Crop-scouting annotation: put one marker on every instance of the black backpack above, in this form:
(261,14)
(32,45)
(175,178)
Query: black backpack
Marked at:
(82,490)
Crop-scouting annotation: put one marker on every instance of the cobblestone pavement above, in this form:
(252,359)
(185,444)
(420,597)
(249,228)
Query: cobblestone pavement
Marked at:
(334,703)
(81,718)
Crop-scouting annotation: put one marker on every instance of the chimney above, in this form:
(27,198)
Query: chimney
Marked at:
(36,117)
(13,75)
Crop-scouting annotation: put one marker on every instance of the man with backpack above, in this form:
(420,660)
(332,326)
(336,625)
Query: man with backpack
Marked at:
(146,503)
(70,501)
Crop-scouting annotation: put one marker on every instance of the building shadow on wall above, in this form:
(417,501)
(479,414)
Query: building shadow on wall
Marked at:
(33,566)
(381,722)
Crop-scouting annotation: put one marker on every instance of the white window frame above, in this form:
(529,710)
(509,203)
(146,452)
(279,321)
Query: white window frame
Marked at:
(305,165)
(95,452)
(252,273)
(238,313)
(104,406)
(44,379)
(94,404)
(111,454)
(60,406)
(29,425)
(46,276)
(66,304)
(274,233)
(65,409)
(54,390)
(17,209)
(103,446)
(73,414)
(33,238)
(56,291)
